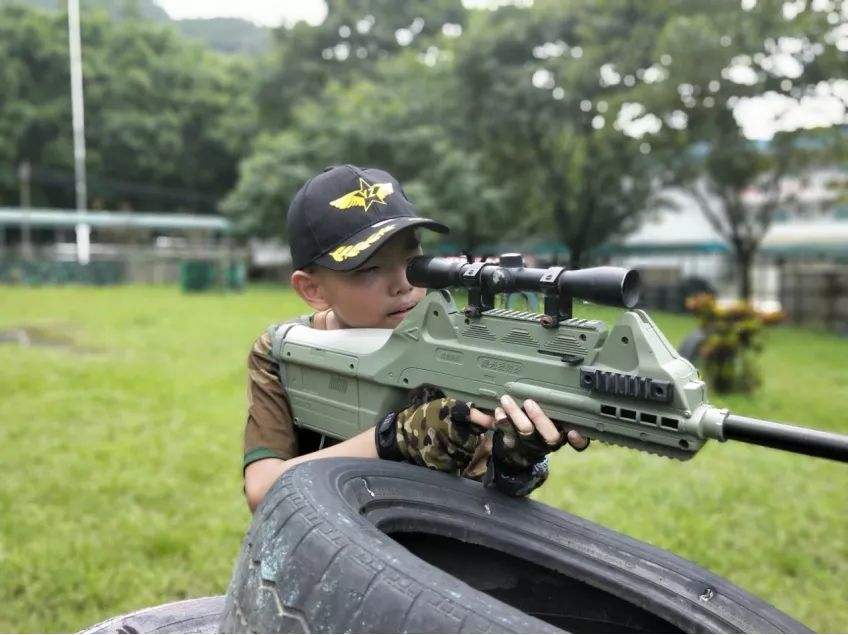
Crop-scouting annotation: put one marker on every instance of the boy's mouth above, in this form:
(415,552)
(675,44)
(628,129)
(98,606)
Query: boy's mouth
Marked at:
(401,312)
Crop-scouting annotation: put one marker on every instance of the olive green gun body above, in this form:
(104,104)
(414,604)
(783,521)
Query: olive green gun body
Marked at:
(626,385)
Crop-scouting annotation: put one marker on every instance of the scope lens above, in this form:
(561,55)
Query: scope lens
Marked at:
(630,289)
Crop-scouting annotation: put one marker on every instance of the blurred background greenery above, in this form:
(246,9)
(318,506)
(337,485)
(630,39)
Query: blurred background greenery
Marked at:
(576,113)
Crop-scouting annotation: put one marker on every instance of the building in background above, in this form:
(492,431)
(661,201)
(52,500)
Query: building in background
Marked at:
(37,247)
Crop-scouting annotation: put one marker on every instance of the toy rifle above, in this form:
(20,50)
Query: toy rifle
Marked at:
(626,386)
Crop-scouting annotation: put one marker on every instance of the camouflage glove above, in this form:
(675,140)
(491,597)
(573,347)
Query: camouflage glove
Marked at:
(518,464)
(436,434)
(516,452)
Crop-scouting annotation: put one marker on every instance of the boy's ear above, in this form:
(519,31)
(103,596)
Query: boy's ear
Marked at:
(309,286)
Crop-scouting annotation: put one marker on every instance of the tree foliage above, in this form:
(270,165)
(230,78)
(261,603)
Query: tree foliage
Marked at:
(166,120)
(562,118)
(535,107)
(355,36)
(716,55)
(386,121)
(225,35)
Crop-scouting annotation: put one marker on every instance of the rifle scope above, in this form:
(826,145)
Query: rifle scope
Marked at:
(614,286)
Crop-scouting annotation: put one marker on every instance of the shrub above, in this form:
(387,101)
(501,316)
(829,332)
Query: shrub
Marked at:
(732,342)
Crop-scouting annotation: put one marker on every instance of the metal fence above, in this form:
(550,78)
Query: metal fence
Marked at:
(815,295)
(192,267)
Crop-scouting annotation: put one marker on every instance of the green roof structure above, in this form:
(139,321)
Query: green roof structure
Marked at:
(58,218)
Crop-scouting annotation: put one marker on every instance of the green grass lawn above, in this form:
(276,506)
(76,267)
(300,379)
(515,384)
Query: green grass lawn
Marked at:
(120,454)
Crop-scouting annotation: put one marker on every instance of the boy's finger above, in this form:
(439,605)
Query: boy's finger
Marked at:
(515,414)
(542,423)
(481,419)
(577,440)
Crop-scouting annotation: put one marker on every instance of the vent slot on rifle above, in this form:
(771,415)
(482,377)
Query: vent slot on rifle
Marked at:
(608,410)
(563,345)
(670,423)
(479,331)
(521,337)
(648,418)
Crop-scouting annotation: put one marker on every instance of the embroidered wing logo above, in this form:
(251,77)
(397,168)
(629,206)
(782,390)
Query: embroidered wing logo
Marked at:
(365,196)
(351,199)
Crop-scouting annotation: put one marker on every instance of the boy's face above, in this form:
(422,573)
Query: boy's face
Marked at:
(377,293)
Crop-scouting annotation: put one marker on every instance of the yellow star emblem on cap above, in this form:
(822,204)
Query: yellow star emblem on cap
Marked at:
(365,196)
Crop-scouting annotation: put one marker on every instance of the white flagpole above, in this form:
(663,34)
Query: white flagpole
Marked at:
(83,231)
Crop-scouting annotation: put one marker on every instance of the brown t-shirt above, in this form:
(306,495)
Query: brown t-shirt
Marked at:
(270,431)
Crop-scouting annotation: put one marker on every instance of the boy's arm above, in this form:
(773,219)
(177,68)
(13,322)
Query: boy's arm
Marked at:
(427,419)
(259,476)
(448,454)
(534,435)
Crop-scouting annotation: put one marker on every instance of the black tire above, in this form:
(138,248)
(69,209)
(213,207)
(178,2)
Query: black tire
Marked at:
(358,545)
(202,615)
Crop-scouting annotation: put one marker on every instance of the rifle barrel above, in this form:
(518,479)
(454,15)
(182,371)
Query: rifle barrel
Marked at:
(827,445)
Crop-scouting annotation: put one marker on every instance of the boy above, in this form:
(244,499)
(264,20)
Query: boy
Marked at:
(352,232)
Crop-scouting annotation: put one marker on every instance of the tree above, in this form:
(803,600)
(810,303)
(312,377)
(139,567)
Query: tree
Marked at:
(542,113)
(714,57)
(35,114)
(386,121)
(166,119)
(345,48)
(165,112)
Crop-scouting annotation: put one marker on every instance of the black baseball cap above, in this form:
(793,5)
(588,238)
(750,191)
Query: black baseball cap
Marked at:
(342,216)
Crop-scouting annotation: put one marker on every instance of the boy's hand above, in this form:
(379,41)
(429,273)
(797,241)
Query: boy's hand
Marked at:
(441,434)
(525,437)
(522,440)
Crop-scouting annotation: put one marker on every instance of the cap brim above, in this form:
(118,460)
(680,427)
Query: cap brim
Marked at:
(365,243)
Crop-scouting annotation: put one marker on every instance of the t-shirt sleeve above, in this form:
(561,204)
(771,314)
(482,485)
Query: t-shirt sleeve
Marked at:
(269,430)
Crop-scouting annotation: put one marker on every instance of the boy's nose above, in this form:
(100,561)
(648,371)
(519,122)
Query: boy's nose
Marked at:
(399,282)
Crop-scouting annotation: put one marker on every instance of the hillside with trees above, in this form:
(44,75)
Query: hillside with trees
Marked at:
(225,35)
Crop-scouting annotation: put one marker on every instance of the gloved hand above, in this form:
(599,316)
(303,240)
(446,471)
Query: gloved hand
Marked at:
(435,432)
(521,443)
